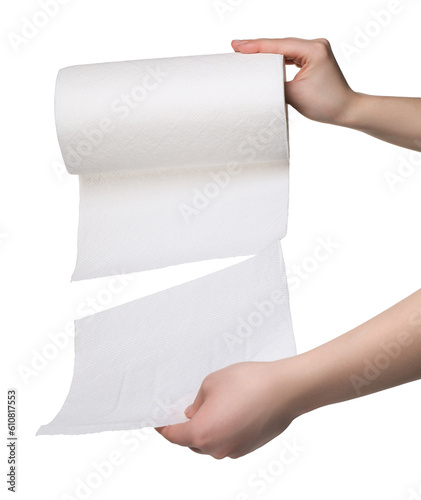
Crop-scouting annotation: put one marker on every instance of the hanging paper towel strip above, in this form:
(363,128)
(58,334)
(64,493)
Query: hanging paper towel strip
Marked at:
(179,160)
(142,363)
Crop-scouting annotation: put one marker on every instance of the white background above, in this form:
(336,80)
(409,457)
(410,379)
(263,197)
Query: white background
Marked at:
(366,448)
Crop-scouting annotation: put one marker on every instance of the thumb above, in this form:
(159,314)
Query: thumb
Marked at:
(191,410)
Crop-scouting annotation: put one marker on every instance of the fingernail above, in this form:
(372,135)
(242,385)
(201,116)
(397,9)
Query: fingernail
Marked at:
(240,41)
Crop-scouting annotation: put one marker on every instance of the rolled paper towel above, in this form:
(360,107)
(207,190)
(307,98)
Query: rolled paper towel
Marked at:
(179,160)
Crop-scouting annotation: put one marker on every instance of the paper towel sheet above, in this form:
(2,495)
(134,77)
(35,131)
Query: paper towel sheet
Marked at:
(179,160)
(141,364)
(137,221)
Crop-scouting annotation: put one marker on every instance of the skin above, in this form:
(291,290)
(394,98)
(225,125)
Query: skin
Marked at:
(245,405)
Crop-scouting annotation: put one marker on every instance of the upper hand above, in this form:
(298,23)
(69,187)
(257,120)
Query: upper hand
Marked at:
(319,90)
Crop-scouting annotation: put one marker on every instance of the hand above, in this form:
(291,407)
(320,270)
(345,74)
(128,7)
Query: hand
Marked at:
(245,405)
(319,90)
(237,409)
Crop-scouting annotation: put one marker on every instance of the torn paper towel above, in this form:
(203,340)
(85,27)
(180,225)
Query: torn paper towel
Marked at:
(142,363)
(179,160)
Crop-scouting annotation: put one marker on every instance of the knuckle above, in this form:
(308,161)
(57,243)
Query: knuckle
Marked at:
(168,437)
(323,41)
(218,455)
(321,46)
(207,382)
(200,438)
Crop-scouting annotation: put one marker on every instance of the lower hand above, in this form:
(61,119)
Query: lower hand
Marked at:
(237,409)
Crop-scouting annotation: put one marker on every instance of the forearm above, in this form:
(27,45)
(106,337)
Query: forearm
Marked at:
(392,119)
(379,354)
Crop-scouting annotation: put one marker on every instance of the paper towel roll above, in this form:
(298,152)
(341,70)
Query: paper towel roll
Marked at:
(179,160)
(197,111)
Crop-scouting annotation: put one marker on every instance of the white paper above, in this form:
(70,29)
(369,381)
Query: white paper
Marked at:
(136,366)
(197,169)
(180,160)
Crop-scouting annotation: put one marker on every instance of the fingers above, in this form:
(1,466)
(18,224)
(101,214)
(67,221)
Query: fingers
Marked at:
(182,434)
(295,49)
(197,403)
(178,433)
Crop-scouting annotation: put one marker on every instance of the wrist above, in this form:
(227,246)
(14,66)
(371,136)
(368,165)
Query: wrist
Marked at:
(294,379)
(313,379)
(306,373)
(354,110)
